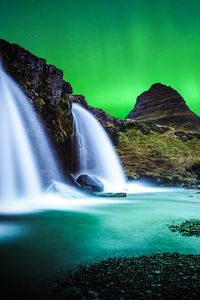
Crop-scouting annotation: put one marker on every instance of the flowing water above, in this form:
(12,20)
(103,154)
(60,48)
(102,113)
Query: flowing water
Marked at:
(26,160)
(35,248)
(95,151)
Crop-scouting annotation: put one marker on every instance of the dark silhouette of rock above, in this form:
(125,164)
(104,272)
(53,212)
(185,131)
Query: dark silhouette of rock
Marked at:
(164,105)
(39,75)
(183,136)
(90,183)
(195,169)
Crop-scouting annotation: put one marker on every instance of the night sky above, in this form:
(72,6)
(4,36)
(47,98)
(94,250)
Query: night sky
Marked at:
(112,50)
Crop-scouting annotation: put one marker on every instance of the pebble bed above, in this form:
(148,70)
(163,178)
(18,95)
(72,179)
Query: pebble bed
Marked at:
(158,276)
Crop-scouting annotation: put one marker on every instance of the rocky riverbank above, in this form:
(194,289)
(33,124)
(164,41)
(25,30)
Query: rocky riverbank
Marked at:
(159,276)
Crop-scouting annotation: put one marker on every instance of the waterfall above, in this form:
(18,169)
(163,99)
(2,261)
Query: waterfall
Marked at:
(95,152)
(26,160)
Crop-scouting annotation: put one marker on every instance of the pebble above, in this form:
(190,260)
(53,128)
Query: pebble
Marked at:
(176,276)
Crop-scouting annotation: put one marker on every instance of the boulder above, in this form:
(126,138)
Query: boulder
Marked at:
(184,136)
(90,183)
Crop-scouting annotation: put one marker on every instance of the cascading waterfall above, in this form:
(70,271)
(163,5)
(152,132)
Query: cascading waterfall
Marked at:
(95,151)
(26,160)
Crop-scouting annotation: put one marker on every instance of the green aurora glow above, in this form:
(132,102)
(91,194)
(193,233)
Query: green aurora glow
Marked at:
(111,51)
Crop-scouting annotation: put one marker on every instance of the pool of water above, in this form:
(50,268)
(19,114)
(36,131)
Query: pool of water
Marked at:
(36,246)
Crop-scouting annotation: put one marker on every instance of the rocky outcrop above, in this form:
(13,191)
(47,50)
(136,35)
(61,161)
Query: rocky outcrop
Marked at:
(46,90)
(164,105)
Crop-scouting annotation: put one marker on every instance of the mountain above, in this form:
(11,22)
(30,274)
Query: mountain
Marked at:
(165,106)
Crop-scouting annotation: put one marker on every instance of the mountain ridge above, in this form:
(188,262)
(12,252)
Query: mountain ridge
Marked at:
(165,106)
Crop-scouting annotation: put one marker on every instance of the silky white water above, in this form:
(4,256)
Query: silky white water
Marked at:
(95,151)
(26,161)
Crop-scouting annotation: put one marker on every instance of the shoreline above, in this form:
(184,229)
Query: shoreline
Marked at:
(157,276)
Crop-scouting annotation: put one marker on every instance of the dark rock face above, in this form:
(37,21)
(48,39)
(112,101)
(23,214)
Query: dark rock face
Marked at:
(46,90)
(45,80)
(183,136)
(164,105)
(79,99)
(90,183)
(195,169)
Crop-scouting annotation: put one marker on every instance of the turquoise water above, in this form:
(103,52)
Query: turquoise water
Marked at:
(35,247)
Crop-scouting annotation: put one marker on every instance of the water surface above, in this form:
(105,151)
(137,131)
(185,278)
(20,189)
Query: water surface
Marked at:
(35,247)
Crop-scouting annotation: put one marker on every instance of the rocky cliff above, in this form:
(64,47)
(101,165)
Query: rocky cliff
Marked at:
(164,105)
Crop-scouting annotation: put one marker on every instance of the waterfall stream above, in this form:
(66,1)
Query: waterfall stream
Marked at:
(95,152)
(26,160)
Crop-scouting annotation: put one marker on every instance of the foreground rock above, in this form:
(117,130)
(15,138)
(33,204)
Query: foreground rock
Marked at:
(187,228)
(89,183)
(160,276)
(165,106)
(111,195)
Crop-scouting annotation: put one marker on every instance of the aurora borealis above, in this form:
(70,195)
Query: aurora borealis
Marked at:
(111,51)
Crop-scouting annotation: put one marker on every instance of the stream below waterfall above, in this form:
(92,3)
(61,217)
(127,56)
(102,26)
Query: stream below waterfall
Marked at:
(35,247)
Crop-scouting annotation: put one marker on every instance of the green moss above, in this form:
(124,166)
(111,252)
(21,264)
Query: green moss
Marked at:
(158,155)
(40,103)
(62,122)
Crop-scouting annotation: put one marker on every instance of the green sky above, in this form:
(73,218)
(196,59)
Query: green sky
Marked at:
(111,51)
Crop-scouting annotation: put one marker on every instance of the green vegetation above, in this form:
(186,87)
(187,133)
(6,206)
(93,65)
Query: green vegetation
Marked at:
(62,121)
(160,155)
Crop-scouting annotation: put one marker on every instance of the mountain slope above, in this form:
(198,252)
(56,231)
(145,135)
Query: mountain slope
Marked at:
(165,106)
